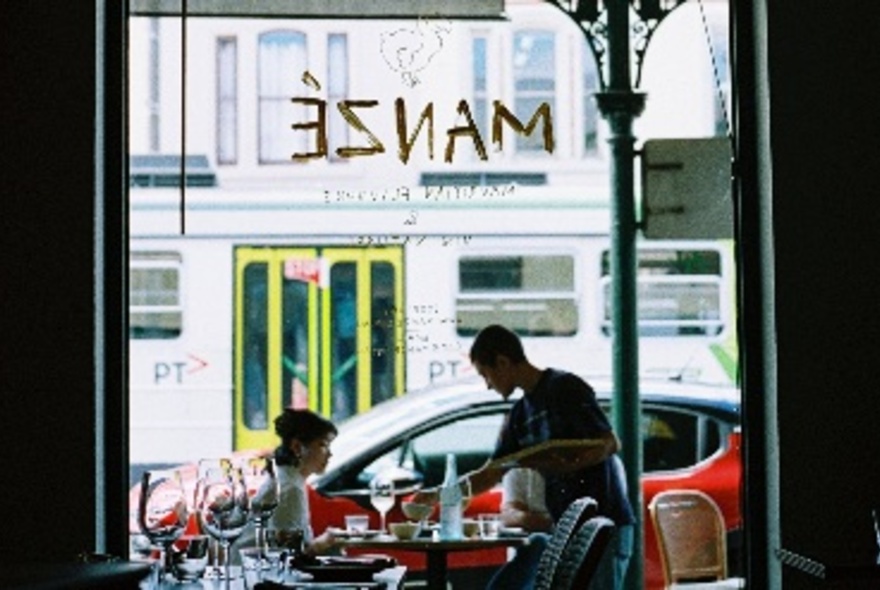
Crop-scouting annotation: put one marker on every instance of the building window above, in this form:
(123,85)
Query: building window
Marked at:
(227,100)
(590,110)
(534,79)
(481,86)
(282,61)
(155,303)
(337,89)
(534,295)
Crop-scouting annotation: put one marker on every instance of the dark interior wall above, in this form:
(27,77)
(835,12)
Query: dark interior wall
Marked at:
(825,138)
(46,215)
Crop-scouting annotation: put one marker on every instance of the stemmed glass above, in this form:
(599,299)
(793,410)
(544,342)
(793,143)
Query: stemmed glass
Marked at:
(208,469)
(263,493)
(382,496)
(223,508)
(162,511)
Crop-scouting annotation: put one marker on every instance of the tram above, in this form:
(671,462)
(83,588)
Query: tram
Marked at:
(338,300)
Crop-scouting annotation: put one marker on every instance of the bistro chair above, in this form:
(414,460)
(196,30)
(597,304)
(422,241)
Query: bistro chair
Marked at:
(582,555)
(692,540)
(571,520)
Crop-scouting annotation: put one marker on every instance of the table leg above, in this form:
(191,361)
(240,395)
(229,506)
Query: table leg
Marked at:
(436,572)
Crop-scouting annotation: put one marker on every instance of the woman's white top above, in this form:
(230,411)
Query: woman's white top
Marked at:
(292,511)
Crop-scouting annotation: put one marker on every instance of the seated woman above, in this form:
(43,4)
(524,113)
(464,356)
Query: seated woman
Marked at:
(304,450)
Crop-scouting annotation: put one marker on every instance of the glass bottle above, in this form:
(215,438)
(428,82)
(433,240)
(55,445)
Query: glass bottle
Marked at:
(450,502)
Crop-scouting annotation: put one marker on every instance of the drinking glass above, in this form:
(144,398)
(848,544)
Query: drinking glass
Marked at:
(162,512)
(210,468)
(282,545)
(223,509)
(466,495)
(263,494)
(382,496)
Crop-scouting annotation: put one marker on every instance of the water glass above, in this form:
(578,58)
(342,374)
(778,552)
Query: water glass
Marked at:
(357,523)
(189,557)
(490,525)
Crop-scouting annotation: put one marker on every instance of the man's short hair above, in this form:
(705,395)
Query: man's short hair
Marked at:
(493,341)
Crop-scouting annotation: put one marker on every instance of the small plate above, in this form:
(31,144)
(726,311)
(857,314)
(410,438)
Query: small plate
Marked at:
(344,534)
(346,569)
(511,531)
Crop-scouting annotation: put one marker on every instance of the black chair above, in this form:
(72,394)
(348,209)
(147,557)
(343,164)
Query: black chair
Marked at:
(579,512)
(582,555)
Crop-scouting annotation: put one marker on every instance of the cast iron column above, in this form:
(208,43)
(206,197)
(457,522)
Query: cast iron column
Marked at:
(619,105)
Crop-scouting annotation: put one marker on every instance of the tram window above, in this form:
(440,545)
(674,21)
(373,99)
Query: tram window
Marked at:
(155,309)
(679,293)
(533,295)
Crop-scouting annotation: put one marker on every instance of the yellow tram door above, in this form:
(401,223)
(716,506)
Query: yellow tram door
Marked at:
(315,328)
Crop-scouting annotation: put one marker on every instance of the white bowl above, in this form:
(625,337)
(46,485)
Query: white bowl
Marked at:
(404,530)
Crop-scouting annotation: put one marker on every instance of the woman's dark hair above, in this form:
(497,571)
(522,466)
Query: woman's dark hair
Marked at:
(303,425)
(493,341)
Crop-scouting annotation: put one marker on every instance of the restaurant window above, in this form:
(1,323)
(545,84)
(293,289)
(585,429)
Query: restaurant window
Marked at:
(282,61)
(534,79)
(227,100)
(679,293)
(532,294)
(155,307)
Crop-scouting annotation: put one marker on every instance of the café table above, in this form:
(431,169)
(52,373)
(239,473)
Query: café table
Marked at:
(388,579)
(436,551)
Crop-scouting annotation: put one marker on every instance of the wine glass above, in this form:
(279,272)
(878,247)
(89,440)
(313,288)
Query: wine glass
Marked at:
(382,496)
(162,511)
(263,494)
(223,508)
(210,468)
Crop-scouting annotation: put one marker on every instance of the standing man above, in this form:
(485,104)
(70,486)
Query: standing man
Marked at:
(555,405)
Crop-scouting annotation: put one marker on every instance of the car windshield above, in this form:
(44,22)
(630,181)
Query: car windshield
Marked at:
(402,414)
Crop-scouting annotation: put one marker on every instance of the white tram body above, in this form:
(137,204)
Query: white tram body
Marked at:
(349,303)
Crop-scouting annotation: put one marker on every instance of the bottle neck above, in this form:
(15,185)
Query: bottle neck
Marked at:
(451,472)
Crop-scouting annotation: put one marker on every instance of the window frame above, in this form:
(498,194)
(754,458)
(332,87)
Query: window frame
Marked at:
(277,101)
(701,328)
(224,101)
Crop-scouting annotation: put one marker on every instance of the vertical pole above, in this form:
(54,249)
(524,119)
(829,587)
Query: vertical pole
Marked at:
(619,105)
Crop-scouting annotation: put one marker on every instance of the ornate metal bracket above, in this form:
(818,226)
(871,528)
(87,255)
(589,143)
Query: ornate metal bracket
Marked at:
(590,16)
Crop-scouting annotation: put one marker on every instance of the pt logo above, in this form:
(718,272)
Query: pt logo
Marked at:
(175,371)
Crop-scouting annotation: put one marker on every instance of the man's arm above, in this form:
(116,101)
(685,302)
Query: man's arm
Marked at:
(574,458)
(517,514)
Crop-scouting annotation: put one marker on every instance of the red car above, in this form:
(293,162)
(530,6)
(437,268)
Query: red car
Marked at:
(690,434)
